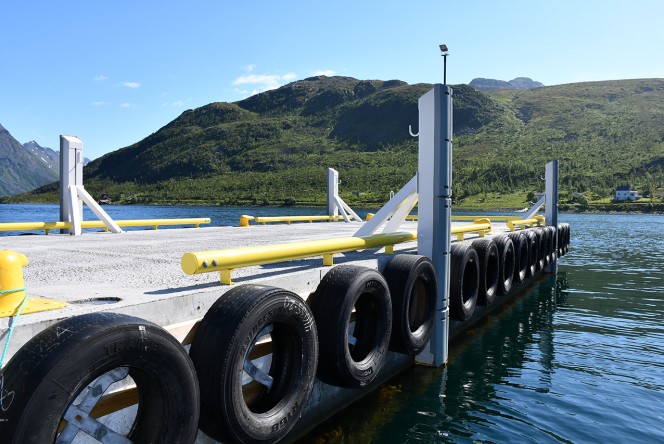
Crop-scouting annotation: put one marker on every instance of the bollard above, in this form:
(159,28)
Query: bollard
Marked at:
(244,220)
(11,277)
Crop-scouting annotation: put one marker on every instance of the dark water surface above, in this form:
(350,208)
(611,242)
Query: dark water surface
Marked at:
(577,358)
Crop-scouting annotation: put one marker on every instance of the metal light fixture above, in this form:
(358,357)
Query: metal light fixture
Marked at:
(443,52)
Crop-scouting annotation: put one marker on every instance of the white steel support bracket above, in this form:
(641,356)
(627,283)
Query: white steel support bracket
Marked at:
(336,203)
(406,198)
(77,195)
(535,208)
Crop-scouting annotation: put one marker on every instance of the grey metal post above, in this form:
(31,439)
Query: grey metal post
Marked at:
(71,173)
(332,191)
(434,207)
(551,211)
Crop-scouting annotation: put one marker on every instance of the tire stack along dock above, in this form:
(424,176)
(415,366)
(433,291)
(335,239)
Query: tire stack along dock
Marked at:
(151,341)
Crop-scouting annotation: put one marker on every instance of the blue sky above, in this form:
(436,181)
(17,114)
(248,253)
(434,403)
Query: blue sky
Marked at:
(112,73)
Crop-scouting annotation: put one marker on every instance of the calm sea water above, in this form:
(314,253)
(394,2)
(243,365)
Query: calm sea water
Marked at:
(578,358)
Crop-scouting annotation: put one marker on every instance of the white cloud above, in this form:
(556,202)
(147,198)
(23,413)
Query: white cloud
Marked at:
(98,78)
(165,104)
(131,84)
(327,72)
(164,94)
(270,82)
(178,103)
(189,99)
(99,103)
(128,105)
(266,82)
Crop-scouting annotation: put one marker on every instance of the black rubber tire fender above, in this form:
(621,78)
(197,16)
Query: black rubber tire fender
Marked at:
(560,239)
(547,245)
(567,238)
(52,369)
(541,248)
(506,262)
(225,338)
(413,287)
(521,264)
(344,288)
(533,254)
(464,280)
(553,244)
(487,253)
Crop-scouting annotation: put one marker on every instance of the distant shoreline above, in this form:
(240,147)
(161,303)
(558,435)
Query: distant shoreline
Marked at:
(459,210)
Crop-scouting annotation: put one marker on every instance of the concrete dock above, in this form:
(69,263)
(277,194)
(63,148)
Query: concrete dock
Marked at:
(138,273)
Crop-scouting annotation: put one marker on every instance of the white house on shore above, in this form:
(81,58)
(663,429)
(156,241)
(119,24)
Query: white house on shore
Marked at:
(625,193)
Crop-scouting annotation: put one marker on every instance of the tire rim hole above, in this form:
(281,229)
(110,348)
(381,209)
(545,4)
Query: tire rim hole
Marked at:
(492,271)
(364,328)
(418,305)
(274,353)
(93,402)
(509,261)
(470,281)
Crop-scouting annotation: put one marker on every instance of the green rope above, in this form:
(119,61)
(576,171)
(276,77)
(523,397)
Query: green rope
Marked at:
(11,328)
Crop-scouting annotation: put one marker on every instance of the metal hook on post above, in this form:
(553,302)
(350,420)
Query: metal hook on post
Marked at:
(411,132)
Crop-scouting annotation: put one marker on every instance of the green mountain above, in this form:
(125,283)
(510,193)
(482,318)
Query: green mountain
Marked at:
(278,143)
(20,170)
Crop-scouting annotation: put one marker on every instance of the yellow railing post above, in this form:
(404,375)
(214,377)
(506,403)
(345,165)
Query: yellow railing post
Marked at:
(225,276)
(328,259)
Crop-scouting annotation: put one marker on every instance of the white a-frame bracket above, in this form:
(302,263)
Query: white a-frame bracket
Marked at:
(335,204)
(77,194)
(396,210)
(72,193)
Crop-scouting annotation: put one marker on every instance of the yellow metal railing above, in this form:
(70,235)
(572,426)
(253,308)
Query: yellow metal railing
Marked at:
(491,218)
(537,220)
(48,226)
(225,261)
(244,219)
(480,226)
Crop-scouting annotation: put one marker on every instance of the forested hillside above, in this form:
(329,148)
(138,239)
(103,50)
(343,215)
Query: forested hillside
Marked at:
(278,144)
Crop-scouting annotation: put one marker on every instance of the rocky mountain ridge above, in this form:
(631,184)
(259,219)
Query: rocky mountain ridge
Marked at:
(20,169)
(521,83)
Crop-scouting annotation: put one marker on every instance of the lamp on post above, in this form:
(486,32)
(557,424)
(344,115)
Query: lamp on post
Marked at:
(443,52)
